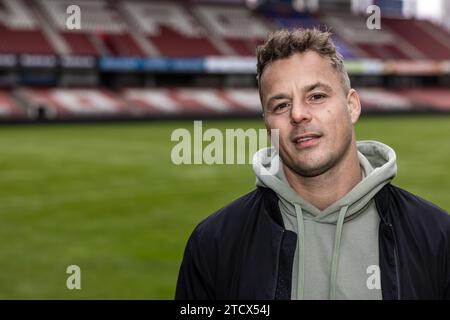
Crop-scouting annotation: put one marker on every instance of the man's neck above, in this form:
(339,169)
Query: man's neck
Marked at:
(325,189)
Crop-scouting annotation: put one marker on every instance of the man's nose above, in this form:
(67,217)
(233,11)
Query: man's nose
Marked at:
(300,113)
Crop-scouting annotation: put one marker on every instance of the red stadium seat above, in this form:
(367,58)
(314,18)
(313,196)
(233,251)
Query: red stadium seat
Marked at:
(80,102)
(9,109)
(429,43)
(20,31)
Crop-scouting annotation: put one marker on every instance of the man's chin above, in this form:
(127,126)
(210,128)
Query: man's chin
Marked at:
(310,173)
(309,170)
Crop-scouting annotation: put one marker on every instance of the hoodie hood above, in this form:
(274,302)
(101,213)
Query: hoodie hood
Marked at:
(378,167)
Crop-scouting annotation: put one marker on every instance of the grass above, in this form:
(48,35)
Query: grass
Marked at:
(107,197)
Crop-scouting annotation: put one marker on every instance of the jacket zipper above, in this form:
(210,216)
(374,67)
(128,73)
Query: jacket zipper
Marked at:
(396,261)
(396,258)
(278,265)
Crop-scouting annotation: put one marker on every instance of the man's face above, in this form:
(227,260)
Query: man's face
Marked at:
(303,97)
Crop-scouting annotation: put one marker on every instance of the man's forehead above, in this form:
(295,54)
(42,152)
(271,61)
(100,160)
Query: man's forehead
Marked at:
(306,59)
(306,69)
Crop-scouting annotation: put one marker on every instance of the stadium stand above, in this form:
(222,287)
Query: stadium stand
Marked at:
(170,29)
(20,31)
(104,31)
(184,29)
(292,20)
(369,44)
(432,98)
(60,103)
(199,100)
(228,22)
(430,44)
(380,99)
(9,109)
(186,44)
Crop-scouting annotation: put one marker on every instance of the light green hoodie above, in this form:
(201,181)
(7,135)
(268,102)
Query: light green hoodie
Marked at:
(337,248)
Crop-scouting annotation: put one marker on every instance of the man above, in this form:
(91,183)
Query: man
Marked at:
(328,224)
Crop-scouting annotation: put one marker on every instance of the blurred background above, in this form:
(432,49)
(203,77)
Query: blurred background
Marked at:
(87,112)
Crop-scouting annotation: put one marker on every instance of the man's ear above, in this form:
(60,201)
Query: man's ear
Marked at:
(353,105)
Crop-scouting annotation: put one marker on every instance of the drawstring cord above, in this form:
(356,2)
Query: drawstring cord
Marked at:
(336,252)
(301,252)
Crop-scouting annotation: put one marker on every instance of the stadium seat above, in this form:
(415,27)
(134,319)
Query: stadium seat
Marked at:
(19,30)
(430,43)
(103,30)
(9,109)
(171,29)
(191,101)
(74,102)
(228,23)
(368,43)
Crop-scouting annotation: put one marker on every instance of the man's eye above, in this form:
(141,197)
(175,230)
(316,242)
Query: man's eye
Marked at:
(317,97)
(280,107)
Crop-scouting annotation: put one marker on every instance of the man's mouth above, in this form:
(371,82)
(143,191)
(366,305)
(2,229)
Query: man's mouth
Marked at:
(306,140)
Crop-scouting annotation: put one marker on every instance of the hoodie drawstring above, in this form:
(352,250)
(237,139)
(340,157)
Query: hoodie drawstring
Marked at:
(336,252)
(301,251)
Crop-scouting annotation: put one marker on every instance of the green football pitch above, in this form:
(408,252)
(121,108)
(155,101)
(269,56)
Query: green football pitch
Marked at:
(107,197)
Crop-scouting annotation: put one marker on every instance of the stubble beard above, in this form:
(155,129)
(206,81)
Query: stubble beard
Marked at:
(322,166)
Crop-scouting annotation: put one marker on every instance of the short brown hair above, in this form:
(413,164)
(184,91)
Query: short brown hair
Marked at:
(284,43)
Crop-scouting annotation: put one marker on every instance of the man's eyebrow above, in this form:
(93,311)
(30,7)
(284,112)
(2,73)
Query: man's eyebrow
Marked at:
(316,85)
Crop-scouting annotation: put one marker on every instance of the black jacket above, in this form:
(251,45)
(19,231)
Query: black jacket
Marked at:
(243,250)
